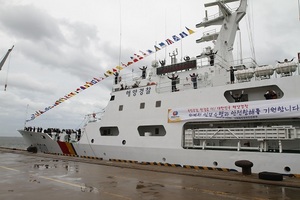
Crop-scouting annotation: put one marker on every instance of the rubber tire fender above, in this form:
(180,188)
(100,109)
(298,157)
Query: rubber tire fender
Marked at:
(272,176)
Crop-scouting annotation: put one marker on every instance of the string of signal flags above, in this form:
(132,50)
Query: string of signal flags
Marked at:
(134,59)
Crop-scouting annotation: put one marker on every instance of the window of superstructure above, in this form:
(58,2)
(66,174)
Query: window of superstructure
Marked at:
(158,104)
(120,107)
(109,131)
(142,105)
(152,130)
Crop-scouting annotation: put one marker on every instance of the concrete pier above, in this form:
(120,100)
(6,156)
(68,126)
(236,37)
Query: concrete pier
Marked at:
(27,176)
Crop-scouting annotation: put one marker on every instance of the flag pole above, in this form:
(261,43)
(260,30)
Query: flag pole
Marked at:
(299,8)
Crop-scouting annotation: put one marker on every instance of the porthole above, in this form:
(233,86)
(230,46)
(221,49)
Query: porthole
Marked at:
(92,141)
(124,142)
(215,163)
(287,169)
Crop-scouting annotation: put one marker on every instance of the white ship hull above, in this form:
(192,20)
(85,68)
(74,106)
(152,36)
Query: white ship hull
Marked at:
(202,159)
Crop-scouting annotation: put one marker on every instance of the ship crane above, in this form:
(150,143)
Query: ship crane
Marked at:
(2,63)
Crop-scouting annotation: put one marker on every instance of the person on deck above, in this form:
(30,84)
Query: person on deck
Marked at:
(174,82)
(285,61)
(231,71)
(143,72)
(116,77)
(211,56)
(237,97)
(270,94)
(194,80)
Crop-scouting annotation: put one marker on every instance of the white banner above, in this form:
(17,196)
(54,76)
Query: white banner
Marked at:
(237,111)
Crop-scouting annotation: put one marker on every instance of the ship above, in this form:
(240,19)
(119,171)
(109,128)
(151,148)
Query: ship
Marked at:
(204,112)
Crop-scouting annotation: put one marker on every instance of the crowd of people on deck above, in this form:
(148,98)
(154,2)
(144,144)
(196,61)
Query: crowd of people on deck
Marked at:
(56,133)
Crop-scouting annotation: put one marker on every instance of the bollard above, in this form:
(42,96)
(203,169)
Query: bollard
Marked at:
(245,165)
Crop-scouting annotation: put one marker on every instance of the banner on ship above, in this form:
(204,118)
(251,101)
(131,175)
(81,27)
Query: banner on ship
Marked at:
(240,111)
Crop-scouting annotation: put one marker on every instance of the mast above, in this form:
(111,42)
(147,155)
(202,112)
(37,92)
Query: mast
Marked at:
(229,21)
(5,57)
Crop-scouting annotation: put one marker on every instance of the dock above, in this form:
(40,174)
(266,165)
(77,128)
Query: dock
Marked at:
(25,175)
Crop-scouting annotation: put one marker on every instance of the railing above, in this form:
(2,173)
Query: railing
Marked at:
(212,17)
(286,133)
(205,77)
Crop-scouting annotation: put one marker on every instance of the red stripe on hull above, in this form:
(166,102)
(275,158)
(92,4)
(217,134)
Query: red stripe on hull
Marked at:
(63,147)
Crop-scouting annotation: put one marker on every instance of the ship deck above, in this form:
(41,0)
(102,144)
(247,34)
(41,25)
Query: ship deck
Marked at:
(27,176)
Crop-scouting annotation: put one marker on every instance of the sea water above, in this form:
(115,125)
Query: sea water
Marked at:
(13,142)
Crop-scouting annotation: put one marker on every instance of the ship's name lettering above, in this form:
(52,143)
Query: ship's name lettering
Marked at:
(138,91)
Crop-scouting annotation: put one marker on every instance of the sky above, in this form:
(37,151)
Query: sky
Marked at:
(60,45)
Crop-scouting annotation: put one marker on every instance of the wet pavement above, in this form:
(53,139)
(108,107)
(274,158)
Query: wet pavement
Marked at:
(41,176)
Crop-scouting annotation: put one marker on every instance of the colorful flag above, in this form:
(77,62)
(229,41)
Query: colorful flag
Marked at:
(162,45)
(129,63)
(94,82)
(169,42)
(183,34)
(109,72)
(119,67)
(156,48)
(134,59)
(149,51)
(190,30)
(175,38)
(139,57)
(143,53)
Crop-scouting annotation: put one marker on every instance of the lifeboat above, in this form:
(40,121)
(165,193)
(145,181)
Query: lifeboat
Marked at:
(264,71)
(244,74)
(286,68)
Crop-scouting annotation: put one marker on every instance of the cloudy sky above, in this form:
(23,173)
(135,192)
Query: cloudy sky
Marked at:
(59,45)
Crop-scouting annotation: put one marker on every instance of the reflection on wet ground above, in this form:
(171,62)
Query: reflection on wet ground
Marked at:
(29,177)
